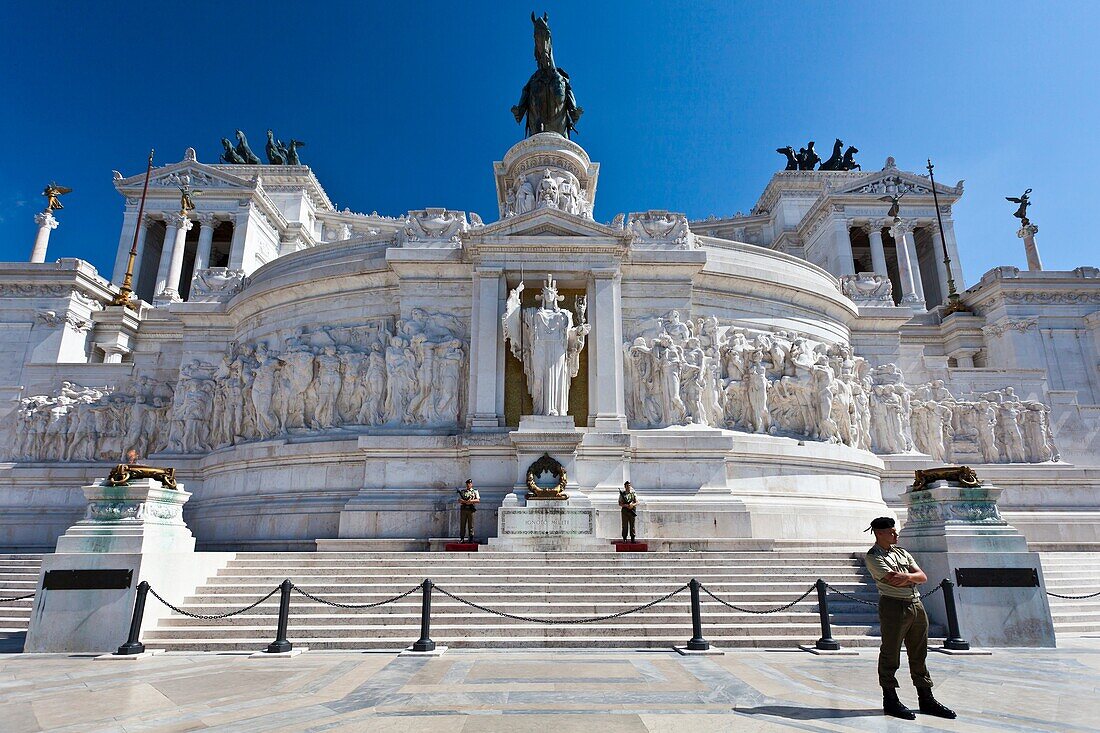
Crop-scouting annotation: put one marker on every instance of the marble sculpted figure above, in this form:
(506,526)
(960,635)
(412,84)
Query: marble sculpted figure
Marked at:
(549,345)
(683,372)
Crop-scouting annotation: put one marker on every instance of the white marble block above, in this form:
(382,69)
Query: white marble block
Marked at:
(951,526)
(137,527)
(546,525)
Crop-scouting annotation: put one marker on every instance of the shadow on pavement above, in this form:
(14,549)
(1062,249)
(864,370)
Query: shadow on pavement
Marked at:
(797,713)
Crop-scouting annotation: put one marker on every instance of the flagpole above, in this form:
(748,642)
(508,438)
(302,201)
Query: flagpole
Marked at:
(126,291)
(954,303)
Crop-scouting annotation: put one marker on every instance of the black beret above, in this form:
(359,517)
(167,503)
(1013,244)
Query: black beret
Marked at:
(882,523)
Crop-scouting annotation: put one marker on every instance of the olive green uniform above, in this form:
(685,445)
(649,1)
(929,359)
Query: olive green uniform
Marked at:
(628,514)
(466,513)
(901,618)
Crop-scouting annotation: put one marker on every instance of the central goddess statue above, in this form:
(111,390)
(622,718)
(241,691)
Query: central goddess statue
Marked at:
(548,344)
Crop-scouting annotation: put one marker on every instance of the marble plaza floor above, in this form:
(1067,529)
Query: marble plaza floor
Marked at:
(548,692)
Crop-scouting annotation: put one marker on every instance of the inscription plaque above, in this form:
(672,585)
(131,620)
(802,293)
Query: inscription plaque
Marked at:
(997,577)
(87,579)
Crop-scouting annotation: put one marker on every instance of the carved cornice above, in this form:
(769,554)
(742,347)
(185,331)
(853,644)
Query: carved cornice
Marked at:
(1023,325)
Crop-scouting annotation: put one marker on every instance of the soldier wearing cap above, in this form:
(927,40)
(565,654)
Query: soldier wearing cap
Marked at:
(468,499)
(901,619)
(628,508)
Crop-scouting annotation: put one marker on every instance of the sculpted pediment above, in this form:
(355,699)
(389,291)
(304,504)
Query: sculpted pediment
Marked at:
(549,223)
(201,176)
(890,181)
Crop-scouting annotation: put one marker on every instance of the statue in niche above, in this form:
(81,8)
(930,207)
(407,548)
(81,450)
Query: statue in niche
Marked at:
(1024,201)
(547,99)
(548,344)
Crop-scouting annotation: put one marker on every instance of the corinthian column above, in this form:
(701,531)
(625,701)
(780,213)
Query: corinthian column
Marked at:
(207,224)
(180,225)
(878,254)
(46,224)
(902,232)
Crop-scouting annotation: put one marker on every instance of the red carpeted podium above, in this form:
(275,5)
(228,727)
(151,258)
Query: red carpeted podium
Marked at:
(460,547)
(621,546)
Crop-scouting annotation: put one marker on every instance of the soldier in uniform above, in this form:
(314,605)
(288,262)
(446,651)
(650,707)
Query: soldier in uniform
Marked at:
(901,619)
(468,499)
(628,506)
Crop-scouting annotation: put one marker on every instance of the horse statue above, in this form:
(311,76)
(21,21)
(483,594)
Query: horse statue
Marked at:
(547,99)
(792,161)
(848,162)
(292,152)
(1024,201)
(244,151)
(230,155)
(807,157)
(274,154)
(833,163)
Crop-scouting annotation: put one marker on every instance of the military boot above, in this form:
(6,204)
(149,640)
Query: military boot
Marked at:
(931,706)
(894,707)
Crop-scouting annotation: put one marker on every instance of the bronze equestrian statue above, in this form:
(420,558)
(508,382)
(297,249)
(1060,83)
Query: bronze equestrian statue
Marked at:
(547,99)
(792,161)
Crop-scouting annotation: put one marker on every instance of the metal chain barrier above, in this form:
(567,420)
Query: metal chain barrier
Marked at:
(17,598)
(589,620)
(932,592)
(750,610)
(312,597)
(1074,598)
(215,616)
(850,597)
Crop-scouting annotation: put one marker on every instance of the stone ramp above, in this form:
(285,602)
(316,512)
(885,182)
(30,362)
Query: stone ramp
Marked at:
(558,585)
(18,576)
(1072,574)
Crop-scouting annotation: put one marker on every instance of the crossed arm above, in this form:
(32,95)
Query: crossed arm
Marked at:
(915,576)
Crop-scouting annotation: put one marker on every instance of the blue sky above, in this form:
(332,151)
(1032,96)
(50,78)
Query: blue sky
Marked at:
(406,105)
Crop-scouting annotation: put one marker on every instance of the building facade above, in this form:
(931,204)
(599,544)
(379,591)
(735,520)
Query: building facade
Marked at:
(314,373)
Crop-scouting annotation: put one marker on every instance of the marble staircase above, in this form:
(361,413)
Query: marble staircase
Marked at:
(18,576)
(527,584)
(1072,573)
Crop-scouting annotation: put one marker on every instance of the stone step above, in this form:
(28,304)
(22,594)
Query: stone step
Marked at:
(333,591)
(506,560)
(548,557)
(452,628)
(415,571)
(259,643)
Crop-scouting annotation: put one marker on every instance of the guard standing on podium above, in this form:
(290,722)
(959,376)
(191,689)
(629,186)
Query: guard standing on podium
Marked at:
(901,619)
(628,508)
(468,499)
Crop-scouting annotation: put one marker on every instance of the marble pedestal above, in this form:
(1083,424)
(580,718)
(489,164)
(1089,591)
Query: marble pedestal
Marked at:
(546,525)
(951,526)
(137,527)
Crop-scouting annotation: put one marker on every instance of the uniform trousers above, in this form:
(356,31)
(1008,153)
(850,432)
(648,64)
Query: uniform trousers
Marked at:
(466,521)
(629,515)
(905,622)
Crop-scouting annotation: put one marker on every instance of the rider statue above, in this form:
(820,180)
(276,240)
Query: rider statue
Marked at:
(547,98)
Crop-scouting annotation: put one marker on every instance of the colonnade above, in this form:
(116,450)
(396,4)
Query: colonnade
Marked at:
(903,233)
(168,284)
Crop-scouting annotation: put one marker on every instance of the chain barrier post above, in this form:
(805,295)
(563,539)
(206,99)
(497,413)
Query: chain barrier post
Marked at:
(425,643)
(826,642)
(132,645)
(697,642)
(281,644)
(953,640)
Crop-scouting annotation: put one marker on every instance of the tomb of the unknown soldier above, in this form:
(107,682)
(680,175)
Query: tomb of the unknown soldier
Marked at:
(487,447)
